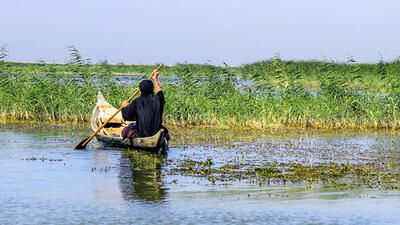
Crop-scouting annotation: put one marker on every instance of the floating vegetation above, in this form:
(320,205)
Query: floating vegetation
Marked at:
(104,169)
(42,159)
(330,160)
(372,175)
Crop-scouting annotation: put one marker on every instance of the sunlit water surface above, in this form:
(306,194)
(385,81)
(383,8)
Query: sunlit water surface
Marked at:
(44,181)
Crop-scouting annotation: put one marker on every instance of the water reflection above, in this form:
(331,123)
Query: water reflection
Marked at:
(140,176)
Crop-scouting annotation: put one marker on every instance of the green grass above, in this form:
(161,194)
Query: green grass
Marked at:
(279,98)
(212,101)
(373,78)
(309,72)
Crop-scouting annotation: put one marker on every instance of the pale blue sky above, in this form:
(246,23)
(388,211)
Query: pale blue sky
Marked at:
(198,31)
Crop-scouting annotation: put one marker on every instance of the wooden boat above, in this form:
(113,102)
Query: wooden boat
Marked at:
(110,135)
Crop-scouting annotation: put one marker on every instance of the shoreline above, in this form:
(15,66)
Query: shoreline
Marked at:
(276,131)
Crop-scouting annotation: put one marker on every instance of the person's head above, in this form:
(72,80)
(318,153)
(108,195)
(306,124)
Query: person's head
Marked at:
(146,87)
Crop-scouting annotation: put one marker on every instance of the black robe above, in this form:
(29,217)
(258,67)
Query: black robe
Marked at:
(147,111)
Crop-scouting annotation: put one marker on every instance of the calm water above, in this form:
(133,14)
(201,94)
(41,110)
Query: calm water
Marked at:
(44,181)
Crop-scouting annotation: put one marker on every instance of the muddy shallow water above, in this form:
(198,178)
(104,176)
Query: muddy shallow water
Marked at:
(44,181)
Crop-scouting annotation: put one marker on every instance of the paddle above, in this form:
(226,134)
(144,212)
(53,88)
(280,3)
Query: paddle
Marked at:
(83,143)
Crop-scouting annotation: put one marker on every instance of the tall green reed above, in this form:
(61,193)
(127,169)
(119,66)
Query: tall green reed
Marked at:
(281,100)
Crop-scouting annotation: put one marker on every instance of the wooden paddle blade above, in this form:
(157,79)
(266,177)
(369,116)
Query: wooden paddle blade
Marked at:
(80,145)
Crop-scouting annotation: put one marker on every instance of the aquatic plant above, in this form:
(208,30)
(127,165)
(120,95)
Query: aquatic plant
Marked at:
(281,100)
(308,73)
(370,175)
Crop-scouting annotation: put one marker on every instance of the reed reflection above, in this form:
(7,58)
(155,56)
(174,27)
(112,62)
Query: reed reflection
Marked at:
(140,176)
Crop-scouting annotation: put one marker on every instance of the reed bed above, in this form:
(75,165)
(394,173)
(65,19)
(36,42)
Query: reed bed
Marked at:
(309,72)
(278,97)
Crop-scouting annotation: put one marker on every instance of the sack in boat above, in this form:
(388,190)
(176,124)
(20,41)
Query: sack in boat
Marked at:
(129,132)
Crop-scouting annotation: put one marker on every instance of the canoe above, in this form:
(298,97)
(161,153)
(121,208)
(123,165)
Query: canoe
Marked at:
(110,135)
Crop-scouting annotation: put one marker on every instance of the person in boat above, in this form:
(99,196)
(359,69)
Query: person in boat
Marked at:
(146,110)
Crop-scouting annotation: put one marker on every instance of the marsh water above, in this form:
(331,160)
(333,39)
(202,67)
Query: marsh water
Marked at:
(44,181)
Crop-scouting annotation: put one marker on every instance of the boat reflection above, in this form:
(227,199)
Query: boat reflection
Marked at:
(140,176)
